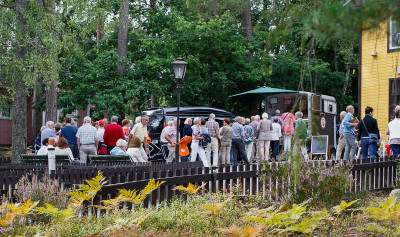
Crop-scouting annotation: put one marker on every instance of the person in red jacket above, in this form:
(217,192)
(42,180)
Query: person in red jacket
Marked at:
(112,133)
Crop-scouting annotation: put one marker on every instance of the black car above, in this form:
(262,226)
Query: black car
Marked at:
(159,117)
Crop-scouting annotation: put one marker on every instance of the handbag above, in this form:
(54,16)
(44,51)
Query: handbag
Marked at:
(373,137)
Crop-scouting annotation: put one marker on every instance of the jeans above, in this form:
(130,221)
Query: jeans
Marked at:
(75,150)
(351,147)
(238,150)
(395,149)
(367,150)
(275,147)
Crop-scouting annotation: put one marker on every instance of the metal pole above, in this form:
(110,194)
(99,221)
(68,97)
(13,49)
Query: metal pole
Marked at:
(178,87)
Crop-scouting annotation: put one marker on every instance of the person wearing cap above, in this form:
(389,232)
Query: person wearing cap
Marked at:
(102,148)
(69,132)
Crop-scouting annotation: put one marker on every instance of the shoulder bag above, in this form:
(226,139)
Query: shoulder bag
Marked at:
(373,137)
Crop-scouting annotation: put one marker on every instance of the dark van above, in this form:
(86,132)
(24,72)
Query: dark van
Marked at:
(159,117)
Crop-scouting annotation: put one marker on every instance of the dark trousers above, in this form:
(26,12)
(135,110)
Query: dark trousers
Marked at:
(275,147)
(238,150)
(109,148)
(75,150)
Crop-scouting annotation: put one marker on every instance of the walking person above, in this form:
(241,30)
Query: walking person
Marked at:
(393,130)
(276,135)
(368,134)
(69,133)
(187,131)
(341,142)
(248,138)
(226,142)
(287,130)
(237,142)
(196,149)
(164,142)
(171,137)
(254,124)
(264,136)
(140,130)
(87,139)
(349,135)
(213,130)
(112,133)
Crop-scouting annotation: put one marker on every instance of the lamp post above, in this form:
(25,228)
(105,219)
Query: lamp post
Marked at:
(179,67)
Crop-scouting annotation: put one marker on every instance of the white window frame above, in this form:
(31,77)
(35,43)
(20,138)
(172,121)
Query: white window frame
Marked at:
(390,36)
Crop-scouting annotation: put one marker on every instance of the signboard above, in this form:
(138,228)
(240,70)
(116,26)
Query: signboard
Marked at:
(319,145)
(323,122)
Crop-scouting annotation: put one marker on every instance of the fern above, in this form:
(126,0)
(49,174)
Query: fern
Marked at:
(308,225)
(16,210)
(55,213)
(215,209)
(190,189)
(248,231)
(339,209)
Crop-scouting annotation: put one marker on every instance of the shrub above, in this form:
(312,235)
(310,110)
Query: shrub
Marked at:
(46,190)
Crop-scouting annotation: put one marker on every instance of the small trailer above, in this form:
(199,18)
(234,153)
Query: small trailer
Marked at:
(320,110)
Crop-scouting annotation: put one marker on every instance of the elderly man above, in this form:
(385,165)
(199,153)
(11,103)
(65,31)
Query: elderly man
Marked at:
(140,130)
(69,133)
(349,134)
(112,133)
(87,139)
(342,142)
(213,132)
(171,138)
(48,131)
(277,115)
(237,141)
(254,125)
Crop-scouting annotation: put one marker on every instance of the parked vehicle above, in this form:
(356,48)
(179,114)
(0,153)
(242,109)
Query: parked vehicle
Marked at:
(159,117)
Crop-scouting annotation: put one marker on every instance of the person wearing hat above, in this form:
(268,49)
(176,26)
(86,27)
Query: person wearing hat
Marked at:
(102,148)
(69,133)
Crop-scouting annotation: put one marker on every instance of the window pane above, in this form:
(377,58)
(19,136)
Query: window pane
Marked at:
(394,96)
(394,34)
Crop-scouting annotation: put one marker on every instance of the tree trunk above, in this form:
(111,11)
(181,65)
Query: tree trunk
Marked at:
(38,95)
(19,105)
(123,34)
(51,101)
(248,28)
(100,30)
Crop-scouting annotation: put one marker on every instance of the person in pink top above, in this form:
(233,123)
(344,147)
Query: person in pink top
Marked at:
(287,130)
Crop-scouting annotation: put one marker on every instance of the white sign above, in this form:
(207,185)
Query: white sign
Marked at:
(398,70)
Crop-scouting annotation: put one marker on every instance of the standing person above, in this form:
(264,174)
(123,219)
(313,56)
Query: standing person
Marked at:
(368,134)
(276,135)
(196,149)
(264,136)
(164,142)
(48,131)
(69,133)
(102,147)
(105,120)
(342,142)
(171,137)
(393,130)
(140,130)
(87,139)
(187,131)
(254,125)
(213,130)
(349,134)
(126,128)
(287,130)
(278,116)
(237,141)
(248,138)
(112,133)
(301,135)
(226,142)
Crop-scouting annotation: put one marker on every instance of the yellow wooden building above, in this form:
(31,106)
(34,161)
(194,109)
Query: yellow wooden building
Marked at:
(379,74)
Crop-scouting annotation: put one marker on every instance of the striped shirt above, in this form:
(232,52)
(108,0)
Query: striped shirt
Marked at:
(87,134)
(212,128)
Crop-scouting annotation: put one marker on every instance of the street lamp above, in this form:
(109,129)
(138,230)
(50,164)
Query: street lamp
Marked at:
(179,67)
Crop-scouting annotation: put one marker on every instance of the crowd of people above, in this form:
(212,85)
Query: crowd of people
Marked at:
(95,138)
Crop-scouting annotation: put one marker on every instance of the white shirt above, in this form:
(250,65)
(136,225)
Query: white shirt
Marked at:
(276,132)
(163,133)
(100,134)
(394,128)
(135,154)
(42,150)
(66,151)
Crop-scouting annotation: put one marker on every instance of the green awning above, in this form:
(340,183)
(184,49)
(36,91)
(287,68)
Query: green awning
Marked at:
(264,90)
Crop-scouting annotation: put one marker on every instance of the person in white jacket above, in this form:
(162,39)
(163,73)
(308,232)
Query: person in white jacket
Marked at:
(393,130)
(276,135)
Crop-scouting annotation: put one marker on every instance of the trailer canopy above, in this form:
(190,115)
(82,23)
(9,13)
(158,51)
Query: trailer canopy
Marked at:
(263,91)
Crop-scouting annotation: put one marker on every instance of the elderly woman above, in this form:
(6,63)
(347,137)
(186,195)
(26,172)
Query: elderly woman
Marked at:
(187,131)
(393,130)
(287,130)
(264,129)
(248,138)
(196,149)
(63,149)
(120,148)
(226,142)
(134,149)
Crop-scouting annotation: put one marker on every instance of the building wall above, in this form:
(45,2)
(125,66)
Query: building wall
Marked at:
(376,72)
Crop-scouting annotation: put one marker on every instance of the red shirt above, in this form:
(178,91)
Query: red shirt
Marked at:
(112,133)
